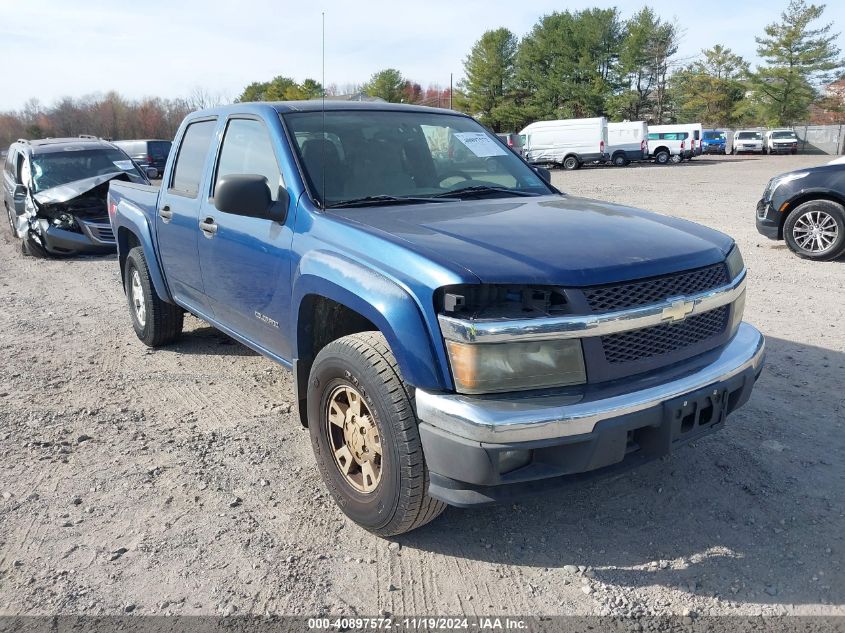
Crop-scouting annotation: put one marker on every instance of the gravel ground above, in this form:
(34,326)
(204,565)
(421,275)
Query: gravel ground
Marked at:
(179,482)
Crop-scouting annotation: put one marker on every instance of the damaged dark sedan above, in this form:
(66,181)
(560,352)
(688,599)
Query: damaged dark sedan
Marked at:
(55,194)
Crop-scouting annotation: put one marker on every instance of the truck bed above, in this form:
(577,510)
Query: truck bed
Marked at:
(145,197)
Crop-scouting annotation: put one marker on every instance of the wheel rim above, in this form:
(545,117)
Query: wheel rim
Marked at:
(354,439)
(136,294)
(569,163)
(815,231)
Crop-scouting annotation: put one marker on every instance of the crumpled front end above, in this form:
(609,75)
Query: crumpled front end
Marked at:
(70,219)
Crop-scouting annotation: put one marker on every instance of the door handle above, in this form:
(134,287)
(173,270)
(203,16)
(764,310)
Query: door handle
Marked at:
(165,213)
(208,227)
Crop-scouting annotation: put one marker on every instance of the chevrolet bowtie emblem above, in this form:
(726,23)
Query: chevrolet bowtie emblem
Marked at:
(677,310)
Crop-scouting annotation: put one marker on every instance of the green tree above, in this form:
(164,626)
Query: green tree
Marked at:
(389,84)
(281,89)
(711,90)
(565,66)
(797,59)
(645,60)
(490,72)
(254,91)
(313,89)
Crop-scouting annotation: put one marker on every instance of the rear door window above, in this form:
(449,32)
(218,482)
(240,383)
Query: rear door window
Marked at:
(187,174)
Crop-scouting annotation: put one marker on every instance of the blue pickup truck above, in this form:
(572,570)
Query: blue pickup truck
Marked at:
(459,332)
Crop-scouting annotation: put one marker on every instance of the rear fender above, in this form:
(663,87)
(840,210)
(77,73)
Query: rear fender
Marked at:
(131,221)
(379,299)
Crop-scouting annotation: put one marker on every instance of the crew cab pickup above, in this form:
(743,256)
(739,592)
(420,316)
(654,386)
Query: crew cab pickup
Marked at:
(459,332)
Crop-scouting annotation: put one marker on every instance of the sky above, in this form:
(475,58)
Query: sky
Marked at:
(54,48)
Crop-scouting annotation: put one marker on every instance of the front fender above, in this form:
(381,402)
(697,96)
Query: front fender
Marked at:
(379,299)
(130,220)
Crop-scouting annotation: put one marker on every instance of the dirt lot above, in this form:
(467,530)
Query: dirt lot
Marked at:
(179,482)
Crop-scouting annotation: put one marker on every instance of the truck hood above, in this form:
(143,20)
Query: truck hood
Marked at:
(551,240)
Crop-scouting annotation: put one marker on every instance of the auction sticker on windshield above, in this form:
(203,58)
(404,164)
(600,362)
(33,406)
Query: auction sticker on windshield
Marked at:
(480,144)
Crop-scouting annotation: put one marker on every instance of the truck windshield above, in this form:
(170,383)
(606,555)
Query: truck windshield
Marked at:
(366,156)
(786,134)
(714,136)
(749,135)
(59,168)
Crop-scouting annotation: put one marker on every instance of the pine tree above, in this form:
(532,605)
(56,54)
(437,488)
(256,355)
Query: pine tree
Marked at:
(798,59)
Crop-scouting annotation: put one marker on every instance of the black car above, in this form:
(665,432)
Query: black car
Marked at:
(54,192)
(147,152)
(807,209)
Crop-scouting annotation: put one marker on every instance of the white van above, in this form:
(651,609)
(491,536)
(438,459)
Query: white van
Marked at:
(694,130)
(781,142)
(567,143)
(627,141)
(748,141)
(667,146)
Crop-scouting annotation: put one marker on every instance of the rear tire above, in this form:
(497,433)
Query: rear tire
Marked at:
(356,391)
(156,321)
(620,160)
(662,157)
(571,163)
(827,218)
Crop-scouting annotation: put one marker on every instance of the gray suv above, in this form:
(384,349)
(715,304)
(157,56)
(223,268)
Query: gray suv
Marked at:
(54,193)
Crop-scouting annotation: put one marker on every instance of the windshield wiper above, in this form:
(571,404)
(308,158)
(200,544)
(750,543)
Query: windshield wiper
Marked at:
(481,190)
(382,199)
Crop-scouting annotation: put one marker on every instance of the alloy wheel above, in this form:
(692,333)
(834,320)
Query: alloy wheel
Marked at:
(815,231)
(139,304)
(354,439)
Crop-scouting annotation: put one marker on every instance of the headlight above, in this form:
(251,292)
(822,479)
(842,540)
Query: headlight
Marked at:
(492,367)
(777,181)
(734,262)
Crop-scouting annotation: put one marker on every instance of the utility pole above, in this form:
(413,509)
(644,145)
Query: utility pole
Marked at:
(450,91)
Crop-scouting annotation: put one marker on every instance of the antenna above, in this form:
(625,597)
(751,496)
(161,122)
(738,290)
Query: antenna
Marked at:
(323,108)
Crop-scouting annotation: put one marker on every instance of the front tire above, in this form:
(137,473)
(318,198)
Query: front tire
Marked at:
(816,230)
(31,247)
(365,437)
(156,322)
(10,214)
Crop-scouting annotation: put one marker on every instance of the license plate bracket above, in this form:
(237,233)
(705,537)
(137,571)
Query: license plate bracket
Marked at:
(686,418)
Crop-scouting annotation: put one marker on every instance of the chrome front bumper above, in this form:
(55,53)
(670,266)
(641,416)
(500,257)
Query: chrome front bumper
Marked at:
(514,418)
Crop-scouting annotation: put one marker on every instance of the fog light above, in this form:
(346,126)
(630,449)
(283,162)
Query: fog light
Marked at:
(510,460)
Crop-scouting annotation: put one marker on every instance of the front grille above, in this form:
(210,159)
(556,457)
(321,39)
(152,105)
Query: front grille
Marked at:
(99,232)
(641,293)
(663,339)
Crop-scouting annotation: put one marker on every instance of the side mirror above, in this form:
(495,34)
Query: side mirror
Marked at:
(544,173)
(152,173)
(249,195)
